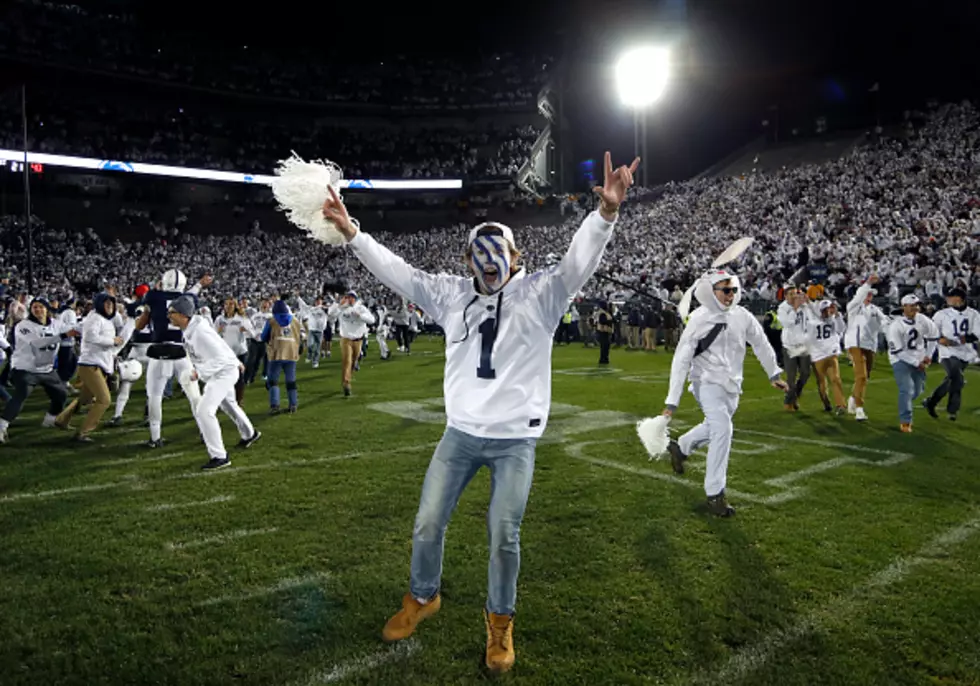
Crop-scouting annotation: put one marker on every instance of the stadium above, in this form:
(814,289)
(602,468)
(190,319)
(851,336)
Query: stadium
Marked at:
(277,287)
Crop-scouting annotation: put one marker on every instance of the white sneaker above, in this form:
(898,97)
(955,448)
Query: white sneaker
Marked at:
(861,417)
(3,435)
(316,365)
(851,407)
(48,421)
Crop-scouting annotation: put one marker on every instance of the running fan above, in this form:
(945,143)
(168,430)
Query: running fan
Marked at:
(300,187)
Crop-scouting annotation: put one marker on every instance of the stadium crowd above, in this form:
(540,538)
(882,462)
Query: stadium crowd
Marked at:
(906,209)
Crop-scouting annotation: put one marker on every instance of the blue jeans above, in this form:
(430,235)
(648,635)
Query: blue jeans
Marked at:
(456,460)
(313,343)
(272,382)
(911,382)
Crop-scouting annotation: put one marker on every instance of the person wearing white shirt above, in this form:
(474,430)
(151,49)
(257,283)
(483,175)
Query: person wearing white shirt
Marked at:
(354,319)
(36,342)
(499,325)
(711,352)
(96,363)
(218,367)
(865,323)
(796,357)
(911,342)
(958,326)
(256,346)
(236,330)
(823,341)
(317,321)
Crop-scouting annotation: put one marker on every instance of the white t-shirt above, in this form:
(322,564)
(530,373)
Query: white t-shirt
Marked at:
(954,325)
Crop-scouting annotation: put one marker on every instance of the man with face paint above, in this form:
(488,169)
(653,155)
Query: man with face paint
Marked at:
(499,325)
(712,352)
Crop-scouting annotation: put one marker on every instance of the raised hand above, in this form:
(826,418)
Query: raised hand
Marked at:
(615,185)
(334,210)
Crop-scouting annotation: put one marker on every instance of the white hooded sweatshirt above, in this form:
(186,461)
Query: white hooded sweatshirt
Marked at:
(722,362)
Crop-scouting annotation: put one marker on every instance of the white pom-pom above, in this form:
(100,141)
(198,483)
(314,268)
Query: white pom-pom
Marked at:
(654,433)
(300,187)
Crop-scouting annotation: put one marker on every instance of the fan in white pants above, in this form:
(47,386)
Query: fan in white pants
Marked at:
(718,406)
(382,338)
(219,392)
(157,374)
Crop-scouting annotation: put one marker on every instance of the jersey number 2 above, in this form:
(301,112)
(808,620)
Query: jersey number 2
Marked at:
(488,336)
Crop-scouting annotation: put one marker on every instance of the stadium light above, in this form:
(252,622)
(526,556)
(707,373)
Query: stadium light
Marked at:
(641,78)
(641,75)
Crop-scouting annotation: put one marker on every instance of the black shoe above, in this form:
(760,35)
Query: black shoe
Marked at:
(346,391)
(247,442)
(154,444)
(677,458)
(215,463)
(115,421)
(291,409)
(930,408)
(952,416)
(274,410)
(718,506)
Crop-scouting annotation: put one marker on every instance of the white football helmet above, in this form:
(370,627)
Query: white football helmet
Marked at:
(130,370)
(174,280)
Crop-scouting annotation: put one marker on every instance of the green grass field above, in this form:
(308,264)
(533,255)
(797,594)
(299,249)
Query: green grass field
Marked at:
(854,557)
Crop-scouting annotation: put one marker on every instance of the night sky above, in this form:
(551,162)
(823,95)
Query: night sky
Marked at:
(734,58)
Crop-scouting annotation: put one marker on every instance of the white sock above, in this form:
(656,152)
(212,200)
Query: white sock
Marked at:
(4,424)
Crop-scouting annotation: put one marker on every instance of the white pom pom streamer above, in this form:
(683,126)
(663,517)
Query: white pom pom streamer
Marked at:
(300,187)
(654,433)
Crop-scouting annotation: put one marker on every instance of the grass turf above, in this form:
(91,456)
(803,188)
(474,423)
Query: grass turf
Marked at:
(124,565)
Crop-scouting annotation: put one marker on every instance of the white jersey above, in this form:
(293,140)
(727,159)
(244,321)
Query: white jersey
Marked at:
(259,320)
(498,352)
(824,336)
(230,329)
(865,322)
(956,326)
(315,316)
(36,345)
(912,341)
(794,323)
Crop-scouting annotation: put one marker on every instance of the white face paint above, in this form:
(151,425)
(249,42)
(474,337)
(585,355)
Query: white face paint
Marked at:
(491,262)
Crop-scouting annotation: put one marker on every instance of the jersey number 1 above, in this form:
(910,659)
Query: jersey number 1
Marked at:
(488,336)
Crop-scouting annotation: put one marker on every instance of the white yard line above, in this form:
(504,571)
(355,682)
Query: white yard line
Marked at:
(815,441)
(139,458)
(841,609)
(166,507)
(134,482)
(212,541)
(278,587)
(365,663)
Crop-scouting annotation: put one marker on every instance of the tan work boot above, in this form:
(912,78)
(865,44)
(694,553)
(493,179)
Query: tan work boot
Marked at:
(500,642)
(403,624)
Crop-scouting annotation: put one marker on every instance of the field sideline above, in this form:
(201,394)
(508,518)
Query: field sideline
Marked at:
(854,557)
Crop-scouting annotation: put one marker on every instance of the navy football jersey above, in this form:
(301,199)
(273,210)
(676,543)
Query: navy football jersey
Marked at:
(144,335)
(162,330)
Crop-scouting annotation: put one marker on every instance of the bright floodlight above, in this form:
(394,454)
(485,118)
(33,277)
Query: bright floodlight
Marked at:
(641,75)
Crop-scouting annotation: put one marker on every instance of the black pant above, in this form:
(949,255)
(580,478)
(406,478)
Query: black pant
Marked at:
(24,383)
(67,362)
(605,338)
(797,374)
(256,353)
(404,336)
(952,384)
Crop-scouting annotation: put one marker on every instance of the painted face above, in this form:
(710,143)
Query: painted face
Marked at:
(491,261)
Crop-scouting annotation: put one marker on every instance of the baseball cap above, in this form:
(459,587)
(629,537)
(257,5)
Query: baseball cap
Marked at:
(493,229)
(352,294)
(824,304)
(910,299)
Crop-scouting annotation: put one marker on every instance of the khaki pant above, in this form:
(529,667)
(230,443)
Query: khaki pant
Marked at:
(829,369)
(863,361)
(350,352)
(649,339)
(94,389)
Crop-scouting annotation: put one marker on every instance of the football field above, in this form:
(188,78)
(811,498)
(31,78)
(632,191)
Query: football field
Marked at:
(854,557)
